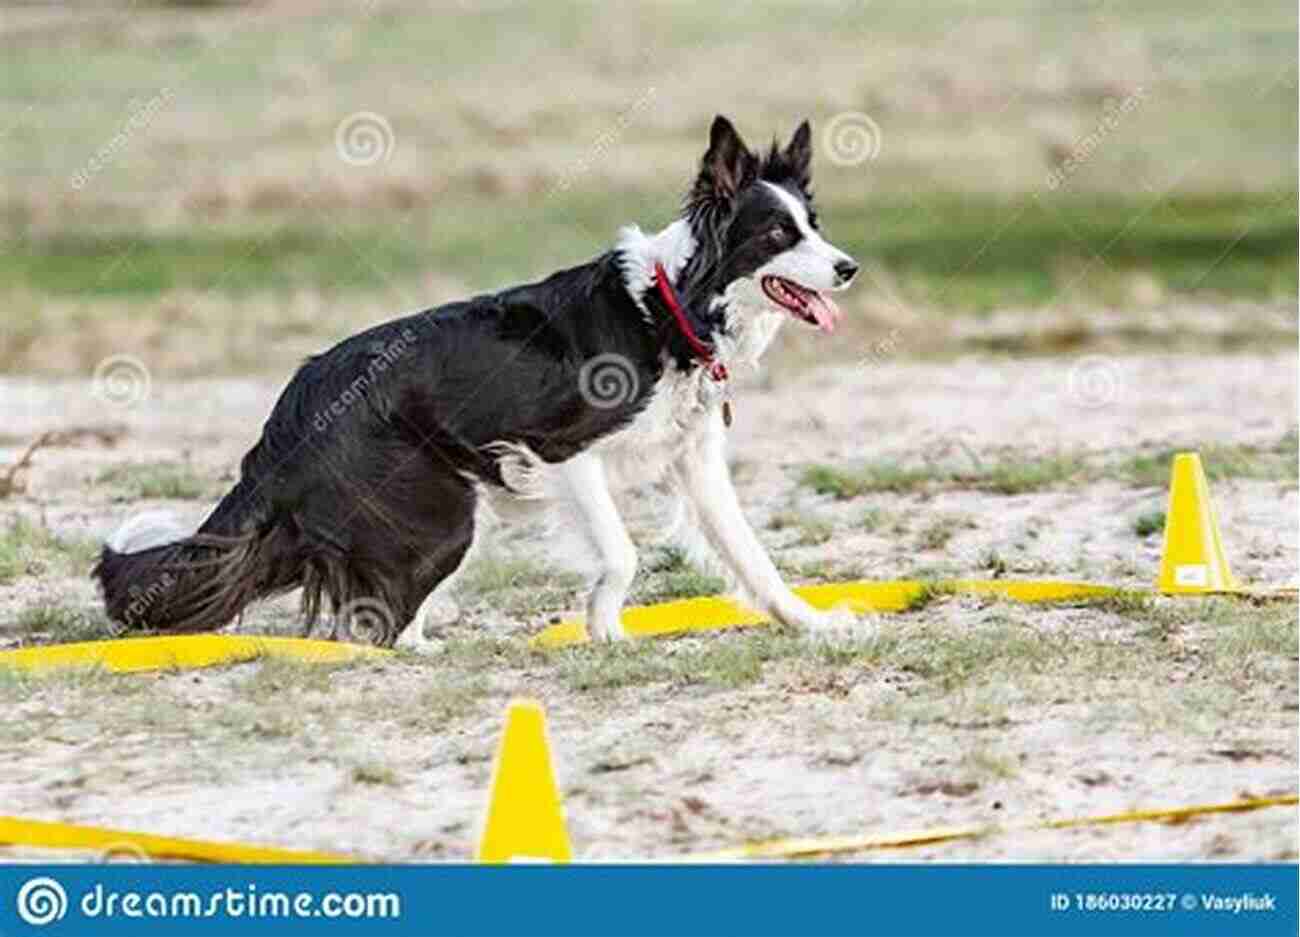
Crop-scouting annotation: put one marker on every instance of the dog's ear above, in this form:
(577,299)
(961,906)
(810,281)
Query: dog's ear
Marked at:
(798,153)
(727,166)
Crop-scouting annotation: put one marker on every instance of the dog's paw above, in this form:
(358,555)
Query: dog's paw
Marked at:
(605,632)
(413,639)
(841,626)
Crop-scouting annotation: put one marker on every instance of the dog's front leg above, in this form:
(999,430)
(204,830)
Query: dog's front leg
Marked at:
(588,493)
(702,473)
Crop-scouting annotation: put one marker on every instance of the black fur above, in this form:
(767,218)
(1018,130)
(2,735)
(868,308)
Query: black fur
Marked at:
(361,488)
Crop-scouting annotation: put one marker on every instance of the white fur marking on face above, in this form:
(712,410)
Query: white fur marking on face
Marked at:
(811,262)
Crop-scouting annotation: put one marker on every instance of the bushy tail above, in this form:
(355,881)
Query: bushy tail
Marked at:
(155,577)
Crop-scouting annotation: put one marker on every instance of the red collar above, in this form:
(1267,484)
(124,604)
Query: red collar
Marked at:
(703,353)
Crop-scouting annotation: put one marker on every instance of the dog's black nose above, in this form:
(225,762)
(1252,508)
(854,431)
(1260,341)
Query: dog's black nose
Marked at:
(846,270)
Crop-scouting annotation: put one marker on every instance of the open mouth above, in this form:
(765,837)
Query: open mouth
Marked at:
(811,306)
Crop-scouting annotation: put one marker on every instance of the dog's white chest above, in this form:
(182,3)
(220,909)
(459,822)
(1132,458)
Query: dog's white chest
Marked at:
(641,453)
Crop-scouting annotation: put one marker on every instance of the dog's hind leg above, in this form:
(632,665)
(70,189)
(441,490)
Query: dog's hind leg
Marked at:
(586,490)
(433,586)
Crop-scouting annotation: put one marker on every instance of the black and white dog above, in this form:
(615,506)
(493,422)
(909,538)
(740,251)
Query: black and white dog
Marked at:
(363,487)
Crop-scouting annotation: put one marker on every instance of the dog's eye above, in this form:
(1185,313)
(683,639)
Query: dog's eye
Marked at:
(778,234)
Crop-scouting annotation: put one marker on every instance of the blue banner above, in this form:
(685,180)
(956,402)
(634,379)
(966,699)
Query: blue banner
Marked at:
(574,900)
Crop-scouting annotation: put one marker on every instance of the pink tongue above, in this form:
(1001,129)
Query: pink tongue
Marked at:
(824,310)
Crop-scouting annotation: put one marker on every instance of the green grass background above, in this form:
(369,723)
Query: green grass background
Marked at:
(525,135)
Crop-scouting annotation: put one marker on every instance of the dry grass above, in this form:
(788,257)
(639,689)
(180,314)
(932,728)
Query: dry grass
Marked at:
(227,234)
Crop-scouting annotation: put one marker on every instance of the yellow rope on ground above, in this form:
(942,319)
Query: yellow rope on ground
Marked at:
(180,652)
(15,831)
(715,612)
(810,847)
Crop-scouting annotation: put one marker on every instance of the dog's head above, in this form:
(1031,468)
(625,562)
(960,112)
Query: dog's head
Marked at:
(758,249)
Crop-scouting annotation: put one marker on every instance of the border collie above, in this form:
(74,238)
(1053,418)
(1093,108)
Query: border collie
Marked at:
(363,487)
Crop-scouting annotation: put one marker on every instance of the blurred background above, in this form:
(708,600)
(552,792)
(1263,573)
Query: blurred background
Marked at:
(1078,229)
(222,188)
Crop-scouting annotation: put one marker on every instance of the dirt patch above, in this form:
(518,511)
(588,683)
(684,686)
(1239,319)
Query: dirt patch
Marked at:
(964,711)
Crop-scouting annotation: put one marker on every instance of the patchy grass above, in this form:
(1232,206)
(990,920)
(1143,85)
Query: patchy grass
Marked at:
(845,483)
(62,624)
(872,520)
(276,678)
(1144,525)
(452,697)
(718,662)
(374,774)
(930,592)
(517,585)
(669,575)
(989,763)
(1009,474)
(812,530)
(992,560)
(31,549)
(476,652)
(73,684)
(490,574)
(154,480)
(942,528)
(1276,462)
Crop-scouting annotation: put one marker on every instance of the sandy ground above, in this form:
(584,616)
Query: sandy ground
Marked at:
(391,760)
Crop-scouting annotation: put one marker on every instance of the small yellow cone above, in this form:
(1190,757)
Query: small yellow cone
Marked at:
(1193,560)
(524,819)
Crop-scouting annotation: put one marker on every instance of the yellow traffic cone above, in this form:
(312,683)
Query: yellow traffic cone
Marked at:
(524,820)
(1193,560)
